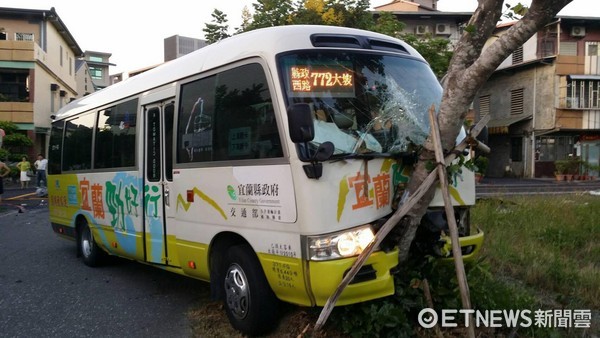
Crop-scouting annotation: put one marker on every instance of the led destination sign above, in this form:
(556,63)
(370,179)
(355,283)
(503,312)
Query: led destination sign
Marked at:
(337,81)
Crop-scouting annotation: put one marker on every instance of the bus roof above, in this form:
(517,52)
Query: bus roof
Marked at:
(266,43)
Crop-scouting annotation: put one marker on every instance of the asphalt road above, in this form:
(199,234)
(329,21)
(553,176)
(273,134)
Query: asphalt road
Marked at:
(46,291)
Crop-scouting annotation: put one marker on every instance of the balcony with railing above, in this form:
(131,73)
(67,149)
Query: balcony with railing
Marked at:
(17,112)
(11,50)
(582,92)
(579,103)
(15,101)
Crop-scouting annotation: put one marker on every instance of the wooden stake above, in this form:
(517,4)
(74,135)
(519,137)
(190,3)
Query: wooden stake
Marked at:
(391,223)
(450,217)
(429,301)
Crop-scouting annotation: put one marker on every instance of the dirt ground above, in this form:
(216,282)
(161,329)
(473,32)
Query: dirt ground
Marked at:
(210,320)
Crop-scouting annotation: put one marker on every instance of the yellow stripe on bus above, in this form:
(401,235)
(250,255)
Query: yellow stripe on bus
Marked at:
(210,201)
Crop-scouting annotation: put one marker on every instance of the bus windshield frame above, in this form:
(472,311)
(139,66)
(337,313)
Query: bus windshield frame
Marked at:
(362,102)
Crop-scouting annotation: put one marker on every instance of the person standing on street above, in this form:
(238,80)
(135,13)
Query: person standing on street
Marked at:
(4,170)
(24,166)
(40,167)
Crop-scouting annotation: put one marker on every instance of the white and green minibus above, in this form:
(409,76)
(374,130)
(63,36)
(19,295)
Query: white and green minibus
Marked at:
(262,164)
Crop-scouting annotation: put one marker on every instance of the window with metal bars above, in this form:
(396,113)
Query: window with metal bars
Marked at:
(583,94)
(24,36)
(547,48)
(516,101)
(592,48)
(552,148)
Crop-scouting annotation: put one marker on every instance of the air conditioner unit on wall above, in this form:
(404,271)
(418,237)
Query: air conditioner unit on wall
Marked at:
(421,29)
(577,31)
(442,29)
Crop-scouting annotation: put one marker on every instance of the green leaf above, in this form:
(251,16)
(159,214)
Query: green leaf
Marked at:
(471,29)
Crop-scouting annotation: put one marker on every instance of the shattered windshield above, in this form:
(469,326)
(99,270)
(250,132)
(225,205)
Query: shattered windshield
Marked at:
(363,103)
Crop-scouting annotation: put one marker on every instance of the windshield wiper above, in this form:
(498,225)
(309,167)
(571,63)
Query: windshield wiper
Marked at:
(366,156)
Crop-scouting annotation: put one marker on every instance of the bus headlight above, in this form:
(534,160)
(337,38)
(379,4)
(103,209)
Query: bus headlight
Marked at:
(340,244)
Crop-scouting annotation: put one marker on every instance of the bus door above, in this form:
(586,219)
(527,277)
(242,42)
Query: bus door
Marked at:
(158,176)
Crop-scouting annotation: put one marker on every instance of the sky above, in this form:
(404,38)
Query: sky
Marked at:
(134,31)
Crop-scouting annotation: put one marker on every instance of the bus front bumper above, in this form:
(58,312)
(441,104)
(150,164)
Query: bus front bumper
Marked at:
(374,280)
(470,246)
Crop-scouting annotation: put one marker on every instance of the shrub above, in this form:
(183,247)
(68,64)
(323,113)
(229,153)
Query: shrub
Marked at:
(561,166)
(14,143)
(482,163)
(4,154)
(396,316)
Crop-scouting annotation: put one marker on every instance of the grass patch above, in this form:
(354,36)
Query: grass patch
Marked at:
(541,253)
(549,243)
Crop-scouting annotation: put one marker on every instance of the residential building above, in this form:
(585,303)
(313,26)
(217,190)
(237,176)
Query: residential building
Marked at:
(177,46)
(544,100)
(409,6)
(37,70)
(83,78)
(422,18)
(118,77)
(98,65)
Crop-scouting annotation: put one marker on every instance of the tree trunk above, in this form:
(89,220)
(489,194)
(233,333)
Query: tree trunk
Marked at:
(469,69)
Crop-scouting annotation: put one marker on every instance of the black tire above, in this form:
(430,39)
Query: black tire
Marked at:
(250,304)
(90,251)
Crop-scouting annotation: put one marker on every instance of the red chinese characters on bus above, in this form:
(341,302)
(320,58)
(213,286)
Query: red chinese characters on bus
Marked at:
(360,183)
(381,184)
(97,201)
(365,197)
(95,191)
(84,185)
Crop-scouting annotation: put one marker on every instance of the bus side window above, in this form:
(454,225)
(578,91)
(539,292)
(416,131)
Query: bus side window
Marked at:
(115,136)
(234,115)
(78,143)
(195,122)
(55,148)
(267,143)
(245,118)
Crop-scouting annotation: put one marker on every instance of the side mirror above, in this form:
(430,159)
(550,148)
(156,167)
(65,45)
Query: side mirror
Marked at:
(324,152)
(300,122)
(315,168)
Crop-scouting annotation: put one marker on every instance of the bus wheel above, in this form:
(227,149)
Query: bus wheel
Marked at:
(90,251)
(250,304)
